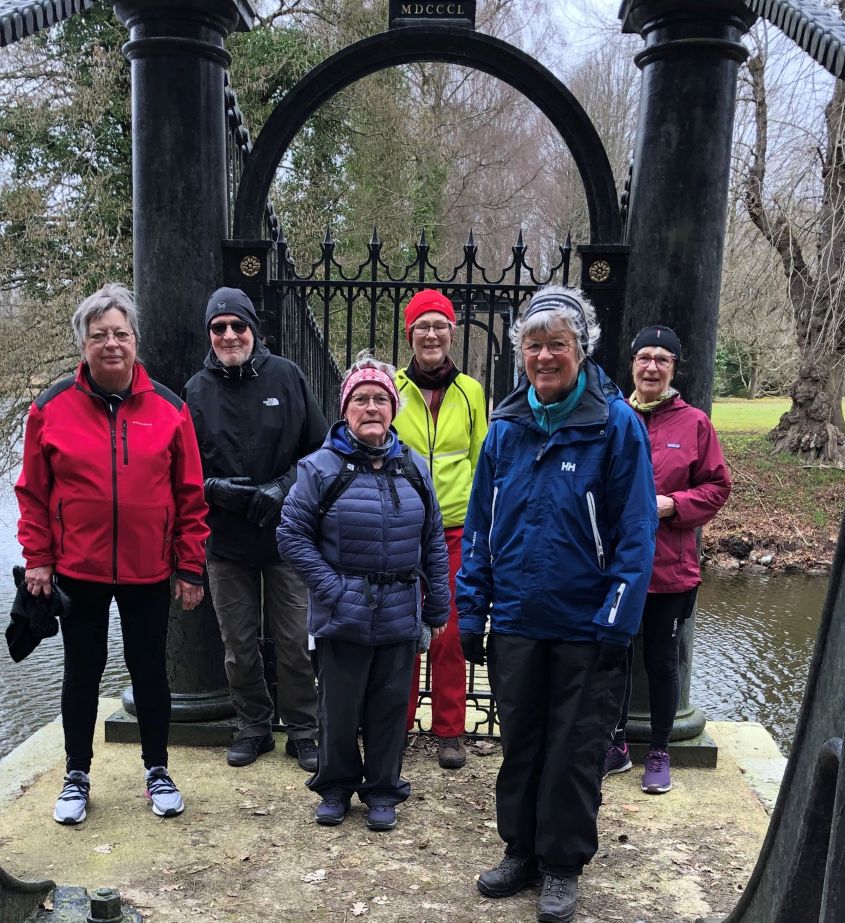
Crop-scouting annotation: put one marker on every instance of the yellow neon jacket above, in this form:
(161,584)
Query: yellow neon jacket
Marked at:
(452,447)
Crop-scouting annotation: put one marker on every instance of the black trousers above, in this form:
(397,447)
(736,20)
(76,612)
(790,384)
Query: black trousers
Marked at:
(663,614)
(366,687)
(143,612)
(556,710)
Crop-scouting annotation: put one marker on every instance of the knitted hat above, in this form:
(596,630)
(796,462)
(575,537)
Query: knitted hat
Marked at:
(232,301)
(551,301)
(368,375)
(427,300)
(657,335)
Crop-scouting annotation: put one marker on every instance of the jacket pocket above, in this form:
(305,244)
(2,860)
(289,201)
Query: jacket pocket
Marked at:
(591,509)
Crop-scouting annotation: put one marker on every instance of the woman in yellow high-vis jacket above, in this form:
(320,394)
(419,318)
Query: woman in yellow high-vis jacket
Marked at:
(444,418)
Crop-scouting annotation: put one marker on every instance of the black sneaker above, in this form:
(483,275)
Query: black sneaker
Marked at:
(558,897)
(304,751)
(248,749)
(509,877)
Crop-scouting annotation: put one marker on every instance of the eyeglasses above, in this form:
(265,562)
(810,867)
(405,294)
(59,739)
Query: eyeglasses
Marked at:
(238,327)
(363,400)
(555,347)
(98,337)
(644,360)
(440,329)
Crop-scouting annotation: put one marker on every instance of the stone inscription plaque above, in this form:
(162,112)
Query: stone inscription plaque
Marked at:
(417,12)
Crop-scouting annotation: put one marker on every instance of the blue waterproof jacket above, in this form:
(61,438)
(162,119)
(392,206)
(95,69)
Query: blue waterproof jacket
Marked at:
(378,528)
(559,536)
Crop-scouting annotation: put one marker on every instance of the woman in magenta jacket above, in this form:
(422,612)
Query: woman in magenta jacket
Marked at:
(692,484)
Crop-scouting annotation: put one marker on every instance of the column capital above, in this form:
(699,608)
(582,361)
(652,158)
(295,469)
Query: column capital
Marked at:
(176,17)
(686,18)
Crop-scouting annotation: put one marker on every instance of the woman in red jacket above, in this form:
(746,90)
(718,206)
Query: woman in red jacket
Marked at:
(111,503)
(692,484)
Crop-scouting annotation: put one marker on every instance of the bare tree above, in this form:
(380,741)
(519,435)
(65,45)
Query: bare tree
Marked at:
(804,223)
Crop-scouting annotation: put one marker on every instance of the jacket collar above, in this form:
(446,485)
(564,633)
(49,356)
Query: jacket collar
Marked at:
(141,381)
(591,410)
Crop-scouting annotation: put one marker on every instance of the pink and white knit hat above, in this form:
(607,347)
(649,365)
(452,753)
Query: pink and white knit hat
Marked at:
(371,375)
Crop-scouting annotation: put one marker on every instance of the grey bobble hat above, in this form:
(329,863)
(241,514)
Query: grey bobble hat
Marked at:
(232,301)
(657,335)
(551,301)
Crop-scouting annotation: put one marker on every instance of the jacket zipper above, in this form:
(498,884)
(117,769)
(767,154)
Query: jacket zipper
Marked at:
(492,523)
(164,540)
(61,526)
(591,506)
(611,616)
(125,443)
(113,431)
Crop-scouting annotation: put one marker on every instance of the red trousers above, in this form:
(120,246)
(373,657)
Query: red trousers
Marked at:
(448,667)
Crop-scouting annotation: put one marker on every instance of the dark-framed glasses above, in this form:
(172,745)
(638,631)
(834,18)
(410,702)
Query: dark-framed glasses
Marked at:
(238,327)
(441,328)
(363,400)
(555,347)
(644,360)
(98,337)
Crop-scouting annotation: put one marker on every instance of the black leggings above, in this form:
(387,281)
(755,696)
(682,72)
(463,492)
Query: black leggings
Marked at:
(144,610)
(662,617)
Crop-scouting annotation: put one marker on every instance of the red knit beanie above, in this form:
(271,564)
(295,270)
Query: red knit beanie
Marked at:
(427,300)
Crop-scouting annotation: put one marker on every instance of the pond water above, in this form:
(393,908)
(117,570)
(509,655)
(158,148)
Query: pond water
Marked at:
(754,641)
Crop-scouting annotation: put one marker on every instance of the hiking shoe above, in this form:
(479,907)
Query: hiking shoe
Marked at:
(304,751)
(558,897)
(248,749)
(616,759)
(509,877)
(381,816)
(656,778)
(165,797)
(331,812)
(451,752)
(72,802)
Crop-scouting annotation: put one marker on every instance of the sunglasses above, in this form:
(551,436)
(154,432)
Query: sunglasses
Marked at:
(238,327)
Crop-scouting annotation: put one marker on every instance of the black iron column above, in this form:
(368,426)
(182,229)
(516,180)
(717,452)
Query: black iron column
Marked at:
(180,218)
(677,210)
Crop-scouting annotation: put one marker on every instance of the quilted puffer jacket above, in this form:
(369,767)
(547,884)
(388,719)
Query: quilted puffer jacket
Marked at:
(363,560)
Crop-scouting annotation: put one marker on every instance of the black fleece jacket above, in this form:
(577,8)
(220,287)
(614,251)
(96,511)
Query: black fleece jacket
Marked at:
(255,420)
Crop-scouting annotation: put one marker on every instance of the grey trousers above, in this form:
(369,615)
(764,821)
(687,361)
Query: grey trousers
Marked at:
(236,590)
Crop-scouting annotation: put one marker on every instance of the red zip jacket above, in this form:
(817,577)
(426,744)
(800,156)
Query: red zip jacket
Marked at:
(688,467)
(112,499)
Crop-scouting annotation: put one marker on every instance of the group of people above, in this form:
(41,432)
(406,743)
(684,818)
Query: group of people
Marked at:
(405,526)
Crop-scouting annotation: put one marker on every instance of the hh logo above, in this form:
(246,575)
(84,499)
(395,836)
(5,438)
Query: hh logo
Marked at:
(270,402)
(567,466)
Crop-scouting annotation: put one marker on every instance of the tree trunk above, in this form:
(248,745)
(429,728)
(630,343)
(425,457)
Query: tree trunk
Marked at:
(813,427)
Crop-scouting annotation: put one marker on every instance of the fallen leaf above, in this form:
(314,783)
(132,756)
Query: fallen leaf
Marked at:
(381,899)
(316,875)
(104,848)
(260,813)
(630,808)
(359,908)
(244,858)
(47,904)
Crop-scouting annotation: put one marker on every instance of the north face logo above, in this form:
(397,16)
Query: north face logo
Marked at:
(567,466)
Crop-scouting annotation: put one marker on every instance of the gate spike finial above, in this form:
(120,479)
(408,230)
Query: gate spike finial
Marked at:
(470,244)
(423,242)
(520,243)
(375,242)
(567,244)
(328,239)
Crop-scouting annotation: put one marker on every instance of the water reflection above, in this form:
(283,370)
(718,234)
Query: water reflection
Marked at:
(30,691)
(753,646)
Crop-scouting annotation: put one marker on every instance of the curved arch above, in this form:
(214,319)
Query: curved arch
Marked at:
(431,43)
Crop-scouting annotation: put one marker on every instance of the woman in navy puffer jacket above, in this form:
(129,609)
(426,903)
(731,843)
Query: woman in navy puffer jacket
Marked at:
(363,553)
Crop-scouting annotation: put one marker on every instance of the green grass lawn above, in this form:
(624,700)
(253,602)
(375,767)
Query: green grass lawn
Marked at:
(737,415)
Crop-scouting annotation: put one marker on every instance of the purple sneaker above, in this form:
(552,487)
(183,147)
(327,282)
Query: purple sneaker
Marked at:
(617,759)
(656,778)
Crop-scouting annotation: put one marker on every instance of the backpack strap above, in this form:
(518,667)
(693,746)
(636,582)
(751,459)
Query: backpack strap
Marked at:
(415,479)
(347,474)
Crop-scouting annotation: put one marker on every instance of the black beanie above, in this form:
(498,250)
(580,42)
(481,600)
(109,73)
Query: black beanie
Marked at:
(657,335)
(232,301)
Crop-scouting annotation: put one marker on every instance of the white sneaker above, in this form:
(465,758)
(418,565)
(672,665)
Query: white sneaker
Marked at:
(165,797)
(70,807)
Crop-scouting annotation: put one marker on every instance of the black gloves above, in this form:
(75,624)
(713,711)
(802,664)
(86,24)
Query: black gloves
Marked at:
(473,647)
(233,494)
(611,655)
(266,504)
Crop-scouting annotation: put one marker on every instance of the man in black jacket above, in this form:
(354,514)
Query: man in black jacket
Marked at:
(255,417)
